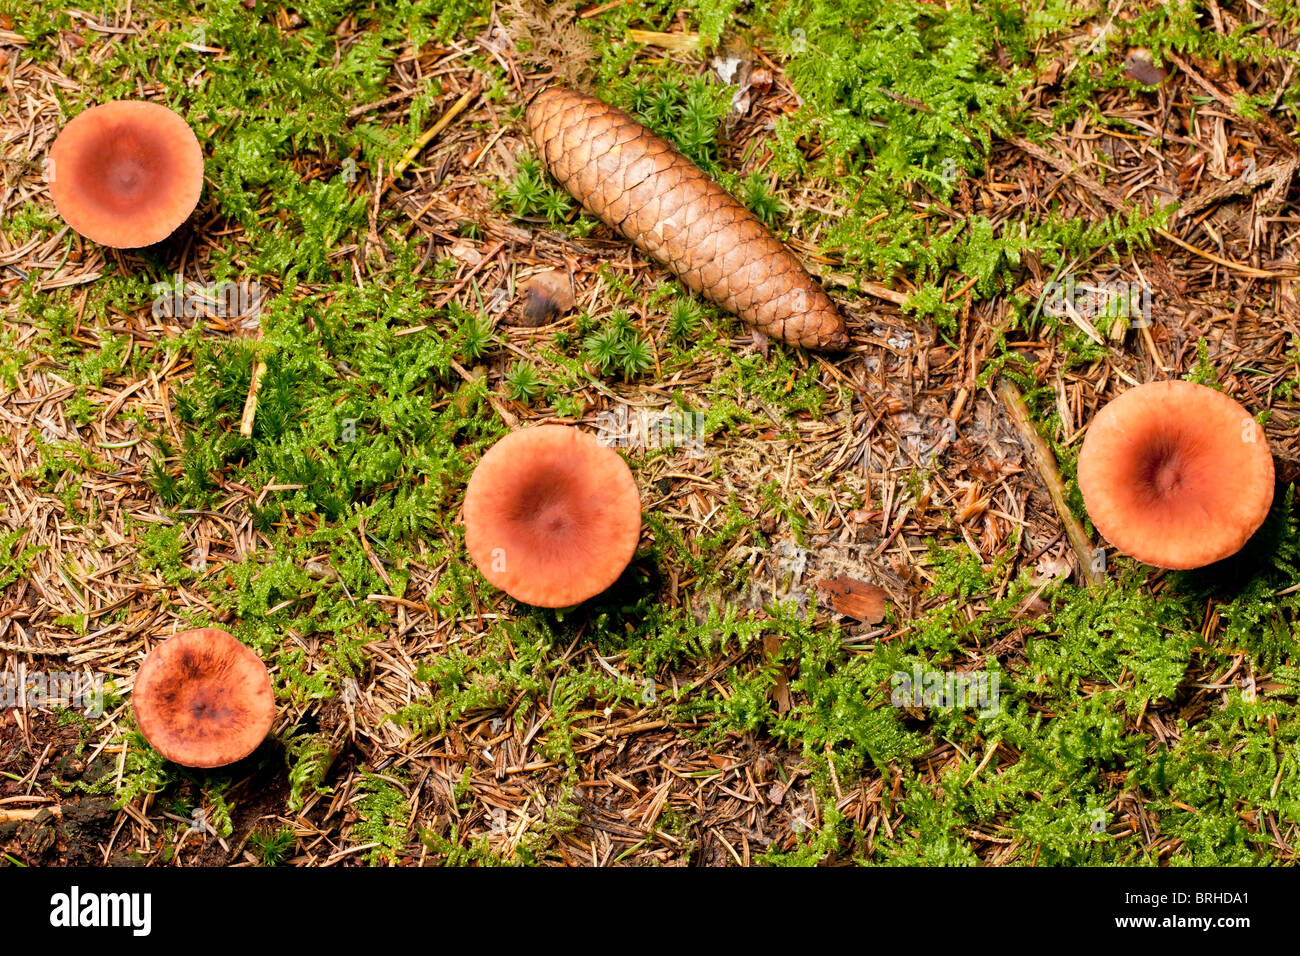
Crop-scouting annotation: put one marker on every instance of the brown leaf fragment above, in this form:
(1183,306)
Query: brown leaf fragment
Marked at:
(781,689)
(546,296)
(1138,66)
(466,251)
(854,598)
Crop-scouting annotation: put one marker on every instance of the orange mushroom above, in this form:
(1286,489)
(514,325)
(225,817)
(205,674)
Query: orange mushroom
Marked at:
(1175,474)
(126,174)
(552,516)
(202,699)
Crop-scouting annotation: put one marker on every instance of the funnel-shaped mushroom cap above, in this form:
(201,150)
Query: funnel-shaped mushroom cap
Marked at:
(552,516)
(126,174)
(1176,474)
(202,699)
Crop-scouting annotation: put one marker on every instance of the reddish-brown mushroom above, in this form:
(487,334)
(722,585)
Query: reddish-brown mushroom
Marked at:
(126,174)
(552,516)
(202,699)
(1176,474)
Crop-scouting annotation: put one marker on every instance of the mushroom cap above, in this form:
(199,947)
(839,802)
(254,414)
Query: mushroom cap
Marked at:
(202,699)
(126,174)
(552,516)
(1176,474)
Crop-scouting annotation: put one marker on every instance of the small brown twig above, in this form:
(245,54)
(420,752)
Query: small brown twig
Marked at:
(442,123)
(16,816)
(250,403)
(1045,462)
(1277,176)
(1226,263)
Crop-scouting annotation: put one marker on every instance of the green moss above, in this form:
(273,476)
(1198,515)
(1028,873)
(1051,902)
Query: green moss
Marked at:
(369,432)
(382,810)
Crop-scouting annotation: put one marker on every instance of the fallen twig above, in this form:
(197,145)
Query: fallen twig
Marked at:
(1045,462)
(428,135)
(1278,175)
(250,403)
